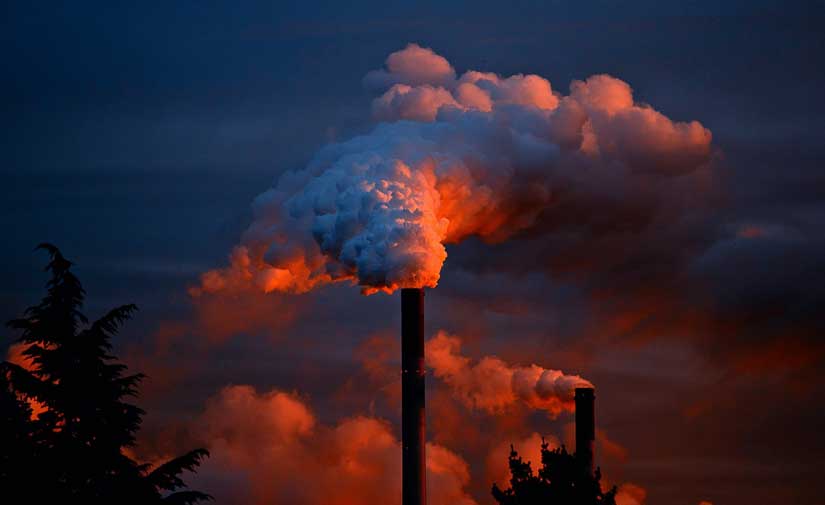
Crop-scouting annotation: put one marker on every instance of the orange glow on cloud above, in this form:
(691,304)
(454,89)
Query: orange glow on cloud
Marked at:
(631,494)
(283,453)
(220,317)
(456,156)
(495,386)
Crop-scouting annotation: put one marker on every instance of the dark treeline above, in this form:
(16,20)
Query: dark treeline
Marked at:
(72,451)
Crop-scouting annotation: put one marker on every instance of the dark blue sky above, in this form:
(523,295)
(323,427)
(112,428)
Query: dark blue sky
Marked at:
(135,136)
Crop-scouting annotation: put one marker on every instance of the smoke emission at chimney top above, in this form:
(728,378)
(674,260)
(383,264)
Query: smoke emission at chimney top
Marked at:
(453,157)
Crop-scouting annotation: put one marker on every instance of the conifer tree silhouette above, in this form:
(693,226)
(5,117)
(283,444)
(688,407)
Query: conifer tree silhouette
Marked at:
(17,432)
(73,452)
(561,480)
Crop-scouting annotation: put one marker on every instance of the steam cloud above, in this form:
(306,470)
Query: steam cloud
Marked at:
(269,447)
(631,494)
(453,157)
(493,385)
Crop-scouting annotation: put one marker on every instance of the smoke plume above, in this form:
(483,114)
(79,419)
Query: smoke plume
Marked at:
(631,494)
(269,447)
(452,157)
(494,386)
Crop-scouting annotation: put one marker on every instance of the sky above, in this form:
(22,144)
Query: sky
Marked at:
(138,135)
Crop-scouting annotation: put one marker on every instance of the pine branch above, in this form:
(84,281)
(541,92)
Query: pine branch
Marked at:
(111,322)
(167,475)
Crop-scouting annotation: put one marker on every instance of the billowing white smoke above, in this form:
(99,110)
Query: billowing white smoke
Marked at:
(495,386)
(475,155)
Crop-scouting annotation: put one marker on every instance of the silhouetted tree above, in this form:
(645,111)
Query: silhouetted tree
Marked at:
(17,436)
(73,451)
(562,480)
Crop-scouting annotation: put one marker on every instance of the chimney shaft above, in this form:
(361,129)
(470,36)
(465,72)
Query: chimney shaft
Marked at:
(413,419)
(585,426)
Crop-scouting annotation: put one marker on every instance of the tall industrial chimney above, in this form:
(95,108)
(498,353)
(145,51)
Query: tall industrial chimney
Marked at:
(413,458)
(585,426)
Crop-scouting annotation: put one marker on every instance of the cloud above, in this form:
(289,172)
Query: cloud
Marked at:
(421,103)
(414,65)
(526,90)
(270,447)
(495,386)
(479,156)
(764,319)
(631,494)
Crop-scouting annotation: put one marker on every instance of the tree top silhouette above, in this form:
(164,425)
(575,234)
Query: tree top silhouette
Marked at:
(74,449)
(561,480)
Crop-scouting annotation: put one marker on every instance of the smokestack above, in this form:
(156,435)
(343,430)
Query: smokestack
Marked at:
(585,426)
(413,422)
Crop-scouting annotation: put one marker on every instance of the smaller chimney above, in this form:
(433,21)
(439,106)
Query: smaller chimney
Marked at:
(585,426)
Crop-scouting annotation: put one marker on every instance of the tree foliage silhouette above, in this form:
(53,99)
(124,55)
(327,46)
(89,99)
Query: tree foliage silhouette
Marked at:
(562,480)
(73,451)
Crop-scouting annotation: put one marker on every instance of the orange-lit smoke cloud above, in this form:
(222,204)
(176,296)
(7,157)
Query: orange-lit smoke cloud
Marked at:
(454,156)
(631,494)
(271,448)
(495,386)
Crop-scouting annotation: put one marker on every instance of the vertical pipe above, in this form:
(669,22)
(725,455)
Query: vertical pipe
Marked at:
(414,482)
(585,426)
